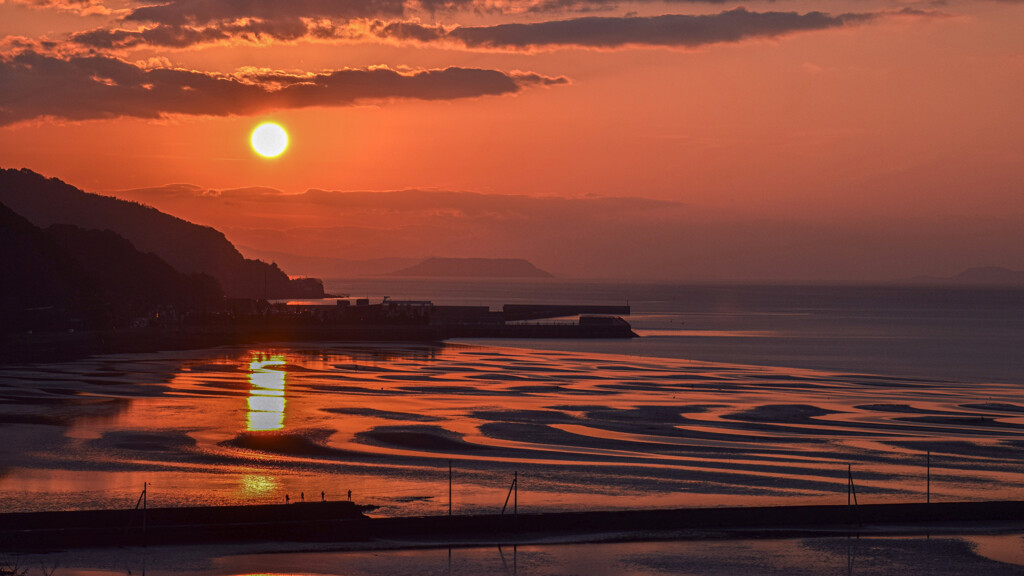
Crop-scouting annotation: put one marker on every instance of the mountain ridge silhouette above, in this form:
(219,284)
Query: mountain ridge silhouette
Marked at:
(189,248)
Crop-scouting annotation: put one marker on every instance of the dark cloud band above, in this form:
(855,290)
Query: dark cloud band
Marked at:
(34,85)
(168,36)
(672,30)
(198,12)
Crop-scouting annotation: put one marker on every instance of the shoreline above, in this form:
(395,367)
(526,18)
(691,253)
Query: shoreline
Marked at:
(68,346)
(75,345)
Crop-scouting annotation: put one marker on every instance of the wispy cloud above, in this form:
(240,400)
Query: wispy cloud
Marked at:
(35,85)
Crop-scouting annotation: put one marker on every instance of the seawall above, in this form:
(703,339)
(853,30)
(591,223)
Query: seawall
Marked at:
(345,522)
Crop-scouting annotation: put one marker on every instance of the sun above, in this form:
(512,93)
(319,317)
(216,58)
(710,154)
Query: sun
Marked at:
(269,140)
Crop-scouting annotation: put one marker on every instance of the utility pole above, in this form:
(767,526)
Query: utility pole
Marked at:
(449,488)
(928,466)
(513,492)
(145,490)
(850,488)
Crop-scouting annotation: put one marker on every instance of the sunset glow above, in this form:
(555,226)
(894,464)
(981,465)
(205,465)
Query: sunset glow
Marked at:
(315,286)
(783,141)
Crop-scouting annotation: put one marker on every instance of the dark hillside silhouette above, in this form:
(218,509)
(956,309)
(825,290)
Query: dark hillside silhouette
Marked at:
(187,247)
(39,283)
(132,283)
(67,277)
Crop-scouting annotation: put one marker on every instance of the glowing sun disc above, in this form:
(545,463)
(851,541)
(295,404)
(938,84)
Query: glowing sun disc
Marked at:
(269,140)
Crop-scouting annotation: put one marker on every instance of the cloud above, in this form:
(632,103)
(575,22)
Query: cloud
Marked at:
(185,36)
(197,12)
(670,30)
(202,12)
(82,7)
(527,6)
(34,85)
(378,213)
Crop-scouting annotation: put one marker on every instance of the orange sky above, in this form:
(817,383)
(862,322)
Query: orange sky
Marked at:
(884,120)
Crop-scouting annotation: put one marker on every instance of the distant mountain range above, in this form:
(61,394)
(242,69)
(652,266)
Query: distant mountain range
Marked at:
(326,267)
(981,276)
(473,268)
(406,267)
(187,247)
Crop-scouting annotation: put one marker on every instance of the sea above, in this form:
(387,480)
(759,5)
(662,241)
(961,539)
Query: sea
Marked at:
(731,395)
(952,333)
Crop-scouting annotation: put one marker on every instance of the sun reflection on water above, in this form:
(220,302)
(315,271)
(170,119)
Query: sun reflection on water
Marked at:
(266,395)
(254,485)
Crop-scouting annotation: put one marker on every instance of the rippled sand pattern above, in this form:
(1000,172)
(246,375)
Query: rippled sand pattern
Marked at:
(584,431)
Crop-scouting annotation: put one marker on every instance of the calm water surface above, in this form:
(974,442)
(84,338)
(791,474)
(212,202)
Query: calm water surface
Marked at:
(964,334)
(864,556)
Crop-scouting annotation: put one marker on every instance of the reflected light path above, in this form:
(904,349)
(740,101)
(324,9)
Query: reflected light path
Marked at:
(255,485)
(266,394)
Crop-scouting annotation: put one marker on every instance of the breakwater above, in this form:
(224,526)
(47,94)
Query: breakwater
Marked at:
(376,325)
(346,522)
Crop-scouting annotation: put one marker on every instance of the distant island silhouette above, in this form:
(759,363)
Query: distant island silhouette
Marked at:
(979,276)
(473,268)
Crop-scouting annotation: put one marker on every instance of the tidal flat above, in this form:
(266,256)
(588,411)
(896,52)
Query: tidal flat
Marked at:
(580,430)
(583,431)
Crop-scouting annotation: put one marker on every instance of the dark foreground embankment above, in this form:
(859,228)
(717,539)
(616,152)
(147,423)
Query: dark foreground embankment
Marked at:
(330,521)
(344,522)
(700,520)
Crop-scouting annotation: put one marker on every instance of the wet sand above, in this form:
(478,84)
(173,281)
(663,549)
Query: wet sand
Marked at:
(584,431)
